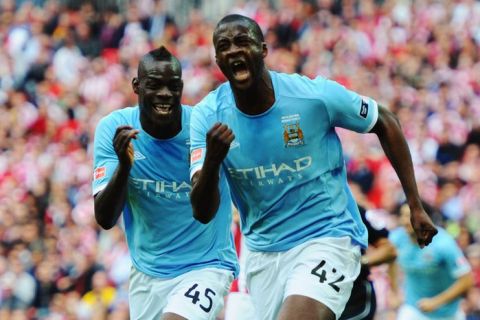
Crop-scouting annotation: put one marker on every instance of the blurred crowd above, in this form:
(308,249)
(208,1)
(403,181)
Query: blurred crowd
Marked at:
(63,67)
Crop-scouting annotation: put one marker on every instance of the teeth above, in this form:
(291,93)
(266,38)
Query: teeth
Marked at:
(163,108)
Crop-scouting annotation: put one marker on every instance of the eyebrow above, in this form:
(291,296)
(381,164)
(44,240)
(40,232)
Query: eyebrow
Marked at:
(158,76)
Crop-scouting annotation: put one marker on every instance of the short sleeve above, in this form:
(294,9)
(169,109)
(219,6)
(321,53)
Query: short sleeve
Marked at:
(198,133)
(105,159)
(456,263)
(347,109)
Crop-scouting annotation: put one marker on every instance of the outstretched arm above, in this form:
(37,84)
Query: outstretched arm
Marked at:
(458,288)
(396,149)
(205,195)
(110,201)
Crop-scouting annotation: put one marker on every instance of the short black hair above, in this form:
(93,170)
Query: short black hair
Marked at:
(158,54)
(238,17)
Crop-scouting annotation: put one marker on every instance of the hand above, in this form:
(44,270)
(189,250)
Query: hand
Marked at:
(428,304)
(219,138)
(394,299)
(424,228)
(121,144)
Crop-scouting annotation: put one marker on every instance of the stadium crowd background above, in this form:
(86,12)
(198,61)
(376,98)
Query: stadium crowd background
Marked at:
(64,65)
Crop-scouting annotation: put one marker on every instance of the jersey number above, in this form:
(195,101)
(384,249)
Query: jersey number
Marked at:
(195,296)
(322,275)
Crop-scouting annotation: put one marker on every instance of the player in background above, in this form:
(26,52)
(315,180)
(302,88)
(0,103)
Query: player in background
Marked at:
(435,278)
(362,302)
(273,136)
(182,269)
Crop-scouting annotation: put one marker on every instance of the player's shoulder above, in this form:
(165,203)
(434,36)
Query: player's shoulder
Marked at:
(398,235)
(297,85)
(215,101)
(443,238)
(124,116)
(187,110)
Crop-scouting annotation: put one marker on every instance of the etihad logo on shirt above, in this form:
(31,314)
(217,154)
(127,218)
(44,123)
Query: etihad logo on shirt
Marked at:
(273,174)
(292,133)
(162,188)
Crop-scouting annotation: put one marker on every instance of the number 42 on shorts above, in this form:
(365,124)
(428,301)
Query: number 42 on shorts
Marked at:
(321,272)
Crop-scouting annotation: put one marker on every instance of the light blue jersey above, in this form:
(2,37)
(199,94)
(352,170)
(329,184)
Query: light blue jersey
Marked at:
(285,167)
(430,270)
(163,237)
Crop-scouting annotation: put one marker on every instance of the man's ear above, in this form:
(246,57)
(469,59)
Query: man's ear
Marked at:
(264,49)
(135,85)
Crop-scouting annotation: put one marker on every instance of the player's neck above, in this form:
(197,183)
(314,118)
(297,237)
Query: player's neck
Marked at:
(162,131)
(258,98)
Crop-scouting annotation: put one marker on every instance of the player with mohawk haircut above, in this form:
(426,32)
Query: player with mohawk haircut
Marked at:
(181,269)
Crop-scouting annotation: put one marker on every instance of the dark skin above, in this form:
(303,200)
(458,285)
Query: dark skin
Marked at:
(240,54)
(159,88)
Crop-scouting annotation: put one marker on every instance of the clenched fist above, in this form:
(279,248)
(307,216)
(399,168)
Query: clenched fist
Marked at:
(121,144)
(219,138)
(424,228)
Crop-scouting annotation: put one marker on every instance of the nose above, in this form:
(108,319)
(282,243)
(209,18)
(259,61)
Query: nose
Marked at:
(233,49)
(164,92)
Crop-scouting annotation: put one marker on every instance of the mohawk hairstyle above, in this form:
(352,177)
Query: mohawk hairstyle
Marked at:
(158,54)
(161,54)
(238,17)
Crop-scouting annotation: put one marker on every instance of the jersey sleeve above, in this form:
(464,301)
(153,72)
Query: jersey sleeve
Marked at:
(198,134)
(455,262)
(347,109)
(105,159)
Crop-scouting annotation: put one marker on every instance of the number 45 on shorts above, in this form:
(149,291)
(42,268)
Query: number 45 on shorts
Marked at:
(194,294)
(328,274)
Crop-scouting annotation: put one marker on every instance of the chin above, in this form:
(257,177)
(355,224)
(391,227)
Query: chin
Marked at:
(164,120)
(241,86)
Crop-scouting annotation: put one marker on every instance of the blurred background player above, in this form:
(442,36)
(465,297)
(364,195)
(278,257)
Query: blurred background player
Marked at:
(302,228)
(434,278)
(182,269)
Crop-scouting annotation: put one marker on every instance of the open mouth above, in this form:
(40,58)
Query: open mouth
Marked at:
(240,71)
(162,108)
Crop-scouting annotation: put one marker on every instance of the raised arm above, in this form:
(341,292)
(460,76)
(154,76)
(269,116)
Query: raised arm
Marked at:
(205,195)
(110,201)
(393,142)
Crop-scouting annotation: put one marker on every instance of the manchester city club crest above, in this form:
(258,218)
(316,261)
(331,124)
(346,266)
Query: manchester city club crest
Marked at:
(292,133)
